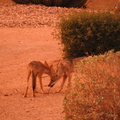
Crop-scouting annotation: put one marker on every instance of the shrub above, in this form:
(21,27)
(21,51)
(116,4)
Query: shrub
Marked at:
(77,3)
(35,1)
(21,1)
(96,93)
(67,3)
(89,33)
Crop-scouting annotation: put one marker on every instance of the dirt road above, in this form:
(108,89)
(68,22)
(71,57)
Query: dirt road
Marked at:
(19,46)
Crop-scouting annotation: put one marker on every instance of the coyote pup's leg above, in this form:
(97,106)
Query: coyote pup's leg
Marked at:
(41,85)
(63,82)
(34,83)
(29,73)
(69,79)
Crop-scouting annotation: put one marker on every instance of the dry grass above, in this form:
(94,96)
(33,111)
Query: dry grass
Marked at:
(96,92)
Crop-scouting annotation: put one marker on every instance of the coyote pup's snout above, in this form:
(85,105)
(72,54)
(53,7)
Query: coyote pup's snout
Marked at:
(52,83)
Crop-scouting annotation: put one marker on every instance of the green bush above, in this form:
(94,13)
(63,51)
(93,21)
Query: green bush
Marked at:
(96,92)
(21,1)
(67,3)
(35,1)
(89,33)
(76,3)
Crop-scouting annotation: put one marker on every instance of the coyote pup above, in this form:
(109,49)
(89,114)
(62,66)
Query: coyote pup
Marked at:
(36,69)
(61,69)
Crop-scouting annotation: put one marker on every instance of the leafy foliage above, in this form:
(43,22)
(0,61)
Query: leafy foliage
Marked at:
(89,33)
(21,1)
(96,93)
(35,1)
(67,3)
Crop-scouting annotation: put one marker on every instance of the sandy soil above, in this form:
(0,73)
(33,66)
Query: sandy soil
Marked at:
(19,46)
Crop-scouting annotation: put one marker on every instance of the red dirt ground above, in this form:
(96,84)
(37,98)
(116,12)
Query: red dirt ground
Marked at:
(17,48)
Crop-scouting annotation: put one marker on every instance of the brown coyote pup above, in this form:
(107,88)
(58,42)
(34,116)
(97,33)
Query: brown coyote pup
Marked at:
(61,69)
(36,69)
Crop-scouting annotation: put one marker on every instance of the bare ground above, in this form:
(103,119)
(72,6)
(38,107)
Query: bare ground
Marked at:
(19,46)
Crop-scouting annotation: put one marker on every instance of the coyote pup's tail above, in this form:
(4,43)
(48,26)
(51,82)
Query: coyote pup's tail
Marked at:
(33,82)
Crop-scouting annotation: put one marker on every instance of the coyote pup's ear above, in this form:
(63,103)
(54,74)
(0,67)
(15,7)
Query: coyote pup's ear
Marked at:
(61,64)
(46,64)
(51,66)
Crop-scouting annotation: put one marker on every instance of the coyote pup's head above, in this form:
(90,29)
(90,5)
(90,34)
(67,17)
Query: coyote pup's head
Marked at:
(53,74)
(53,81)
(56,75)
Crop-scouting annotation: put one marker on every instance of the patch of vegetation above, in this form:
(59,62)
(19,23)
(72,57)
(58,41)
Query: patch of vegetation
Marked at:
(89,33)
(96,92)
(62,3)
(21,1)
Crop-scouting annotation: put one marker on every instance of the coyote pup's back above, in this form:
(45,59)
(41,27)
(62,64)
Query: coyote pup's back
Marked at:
(37,67)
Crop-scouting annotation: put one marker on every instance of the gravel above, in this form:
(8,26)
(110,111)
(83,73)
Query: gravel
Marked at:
(17,15)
